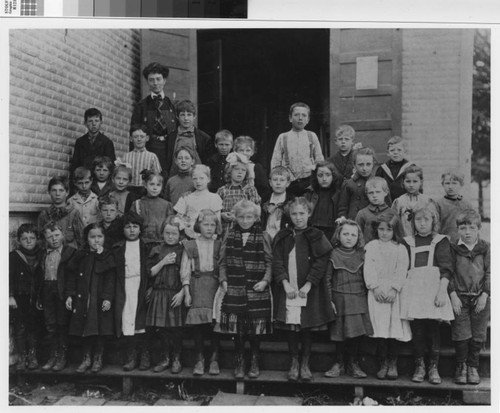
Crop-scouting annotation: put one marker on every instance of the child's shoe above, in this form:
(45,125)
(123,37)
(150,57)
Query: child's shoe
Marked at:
(433,373)
(239,367)
(51,361)
(382,373)
(473,375)
(60,359)
(254,371)
(461,373)
(176,365)
(336,370)
(293,373)
(32,361)
(97,364)
(85,364)
(305,371)
(419,374)
(199,367)
(162,365)
(392,368)
(131,363)
(213,368)
(355,371)
(145,360)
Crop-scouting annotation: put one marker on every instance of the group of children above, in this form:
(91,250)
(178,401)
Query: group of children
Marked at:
(220,249)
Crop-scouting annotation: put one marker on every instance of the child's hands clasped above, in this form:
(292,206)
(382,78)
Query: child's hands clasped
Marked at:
(106,305)
(391,296)
(481,303)
(379,295)
(260,286)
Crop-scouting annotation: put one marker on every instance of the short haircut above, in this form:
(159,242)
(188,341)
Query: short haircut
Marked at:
(148,175)
(174,221)
(103,161)
(123,168)
(187,149)
(223,134)
(90,227)
(229,168)
(454,175)
(281,170)
(202,169)
(242,141)
(185,106)
(426,209)
(300,105)
(469,217)
(363,151)
(81,173)
(395,140)
(207,213)
(90,113)
(132,217)
(335,241)
(52,226)
(27,229)
(138,126)
(336,181)
(376,181)
(392,221)
(246,205)
(154,68)
(298,201)
(59,180)
(345,131)
(107,200)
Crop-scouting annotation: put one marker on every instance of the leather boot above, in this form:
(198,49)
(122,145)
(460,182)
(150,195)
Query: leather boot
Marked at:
(163,364)
(336,370)
(355,370)
(32,361)
(51,361)
(419,374)
(433,372)
(392,368)
(199,367)
(60,359)
(176,364)
(382,373)
(214,368)
(239,367)
(145,360)
(473,375)
(461,373)
(131,363)
(293,373)
(85,364)
(305,371)
(254,371)
(97,364)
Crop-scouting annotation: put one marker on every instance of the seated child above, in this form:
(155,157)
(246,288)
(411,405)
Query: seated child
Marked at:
(85,201)
(452,203)
(392,170)
(64,215)
(273,215)
(111,221)
(102,167)
(181,182)
(257,175)
(24,316)
(343,159)
(217,162)
(53,273)
(187,136)
(121,178)
(470,296)
(298,149)
(376,192)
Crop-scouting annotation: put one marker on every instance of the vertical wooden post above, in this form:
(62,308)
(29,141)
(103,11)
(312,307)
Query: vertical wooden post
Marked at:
(127,386)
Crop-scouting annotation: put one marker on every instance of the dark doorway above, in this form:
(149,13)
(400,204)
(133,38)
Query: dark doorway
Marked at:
(247,80)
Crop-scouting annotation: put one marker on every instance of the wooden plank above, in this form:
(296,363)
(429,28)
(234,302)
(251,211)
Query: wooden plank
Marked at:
(476,397)
(118,8)
(70,8)
(133,8)
(102,8)
(149,8)
(86,8)
(166,8)
(127,386)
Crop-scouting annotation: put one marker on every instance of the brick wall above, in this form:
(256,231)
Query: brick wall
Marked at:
(55,75)
(437,101)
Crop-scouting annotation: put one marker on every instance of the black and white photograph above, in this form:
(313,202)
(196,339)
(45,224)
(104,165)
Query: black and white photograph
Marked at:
(211,214)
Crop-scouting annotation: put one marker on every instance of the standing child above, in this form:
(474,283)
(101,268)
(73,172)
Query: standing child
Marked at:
(122,175)
(85,201)
(343,159)
(424,297)
(347,291)
(236,189)
(111,221)
(90,290)
(298,149)
(376,191)
(257,175)
(413,180)
(385,269)
(245,275)
(66,216)
(52,275)
(352,196)
(273,215)
(470,296)
(24,316)
(152,208)
(190,205)
(451,204)
(130,295)
(200,280)
(300,255)
(102,167)
(392,170)
(181,182)
(323,194)
(166,311)
(217,162)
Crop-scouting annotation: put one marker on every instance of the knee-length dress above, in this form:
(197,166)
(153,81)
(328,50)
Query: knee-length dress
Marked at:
(166,284)
(153,210)
(345,280)
(386,267)
(200,270)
